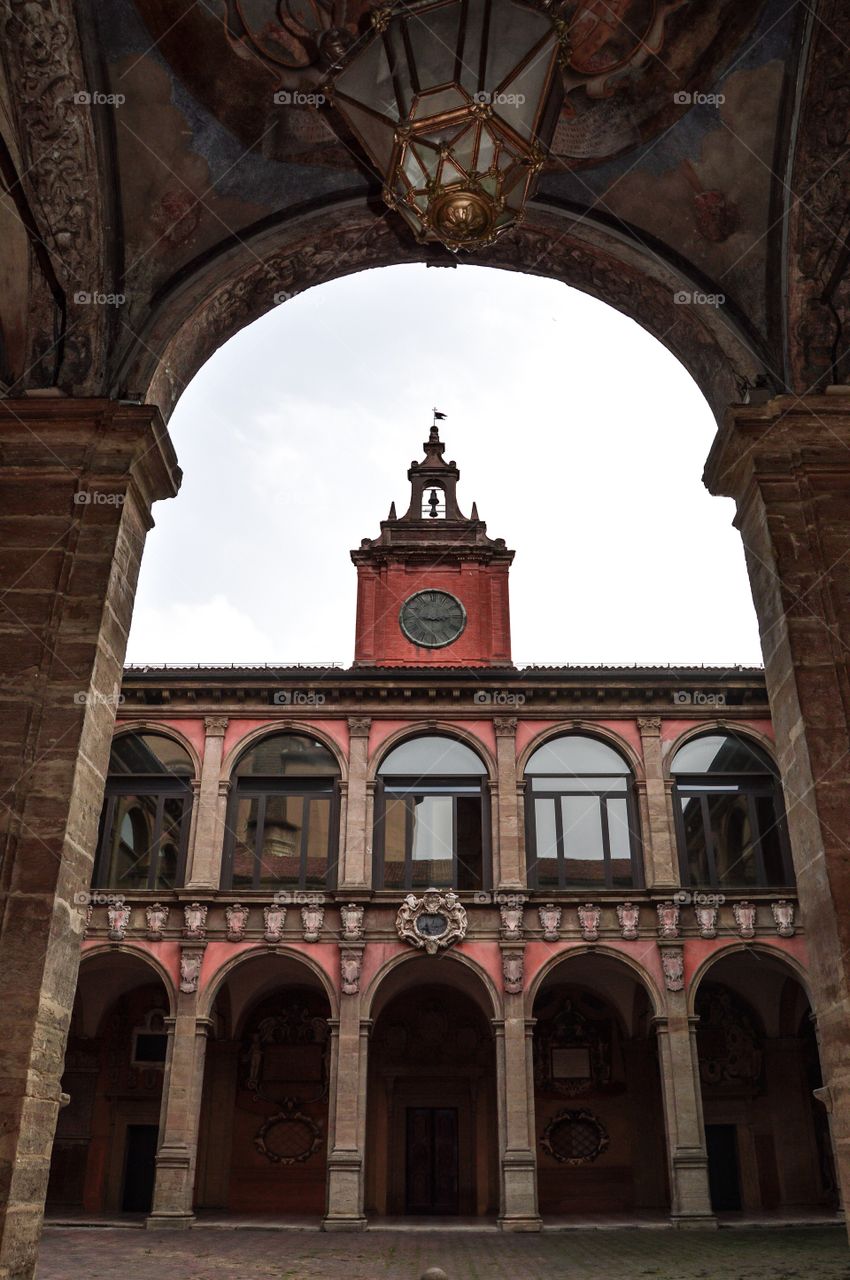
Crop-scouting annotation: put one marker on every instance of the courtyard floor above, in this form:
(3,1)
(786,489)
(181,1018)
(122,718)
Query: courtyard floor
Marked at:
(209,1253)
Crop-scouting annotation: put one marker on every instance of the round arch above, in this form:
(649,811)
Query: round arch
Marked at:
(640,974)
(377,995)
(218,979)
(165,731)
(271,729)
(778,955)
(432,728)
(102,950)
(582,729)
(240,281)
(717,726)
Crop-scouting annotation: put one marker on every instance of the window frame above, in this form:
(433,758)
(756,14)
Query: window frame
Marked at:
(163,787)
(626,791)
(749,783)
(411,786)
(262,787)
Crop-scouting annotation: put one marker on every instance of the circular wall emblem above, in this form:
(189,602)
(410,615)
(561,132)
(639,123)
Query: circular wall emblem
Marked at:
(432,618)
(431,925)
(575,1137)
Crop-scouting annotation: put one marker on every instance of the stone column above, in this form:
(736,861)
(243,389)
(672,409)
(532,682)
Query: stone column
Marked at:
(182,1093)
(356,870)
(515,1084)
(347,1112)
(787,465)
(687,1160)
(77,480)
(207,843)
(511,846)
(660,855)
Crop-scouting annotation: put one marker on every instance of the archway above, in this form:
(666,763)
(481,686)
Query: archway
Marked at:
(107,1133)
(767,1134)
(264,1115)
(597,1093)
(431,1118)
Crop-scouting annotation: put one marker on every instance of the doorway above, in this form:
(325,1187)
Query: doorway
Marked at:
(724,1180)
(431,1160)
(139,1167)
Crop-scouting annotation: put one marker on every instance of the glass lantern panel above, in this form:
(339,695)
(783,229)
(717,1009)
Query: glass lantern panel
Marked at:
(515,31)
(401,84)
(518,100)
(367,80)
(486,150)
(463,149)
(412,168)
(377,135)
(438,103)
(433,36)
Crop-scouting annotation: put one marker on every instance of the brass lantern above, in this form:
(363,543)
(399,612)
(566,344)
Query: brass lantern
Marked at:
(455,101)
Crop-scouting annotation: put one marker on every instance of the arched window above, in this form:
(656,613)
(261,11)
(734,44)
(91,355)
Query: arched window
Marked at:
(433,502)
(147,810)
(430,817)
(581,821)
(730,816)
(282,827)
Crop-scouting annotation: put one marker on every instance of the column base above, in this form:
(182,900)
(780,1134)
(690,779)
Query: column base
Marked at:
(519,1224)
(332,1223)
(693,1221)
(169,1221)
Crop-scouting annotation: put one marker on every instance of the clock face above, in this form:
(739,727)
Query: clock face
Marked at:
(432,618)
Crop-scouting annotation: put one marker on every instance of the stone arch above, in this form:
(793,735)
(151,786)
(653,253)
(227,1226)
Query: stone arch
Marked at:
(776,953)
(164,730)
(428,729)
(373,1001)
(641,975)
(240,281)
(582,729)
(135,953)
(719,725)
(215,984)
(270,729)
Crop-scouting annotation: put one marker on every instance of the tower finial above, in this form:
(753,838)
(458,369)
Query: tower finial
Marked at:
(434,435)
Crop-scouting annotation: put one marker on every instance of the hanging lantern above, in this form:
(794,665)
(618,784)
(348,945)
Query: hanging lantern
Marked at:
(455,102)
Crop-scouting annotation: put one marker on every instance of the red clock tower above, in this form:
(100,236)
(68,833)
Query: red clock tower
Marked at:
(432,589)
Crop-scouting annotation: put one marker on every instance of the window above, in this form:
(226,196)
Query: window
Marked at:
(729,815)
(581,824)
(430,822)
(282,821)
(147,809)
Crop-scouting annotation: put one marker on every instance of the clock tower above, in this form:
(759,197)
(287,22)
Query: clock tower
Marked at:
(432,589)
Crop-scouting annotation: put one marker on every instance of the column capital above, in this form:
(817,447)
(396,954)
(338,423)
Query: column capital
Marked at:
(359,726)
(650,726)
(215,726)
(505,726)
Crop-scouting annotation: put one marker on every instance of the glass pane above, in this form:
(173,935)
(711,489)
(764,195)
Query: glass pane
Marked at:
(394,842)
(695,847)
(287,755)
(169,843)
(733,840)
(143,753)
(583,851)
(576,754)
(367,79)
(318,841)
(546,852)
(579,785)
(720,753)
(431,757)
(245,831)
(771,842)
(470,848)
(433,831)
(280,843)
(433,36)
(619,842)
(129,843)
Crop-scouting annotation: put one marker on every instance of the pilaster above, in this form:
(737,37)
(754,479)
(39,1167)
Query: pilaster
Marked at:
(687,1158)
(207,843)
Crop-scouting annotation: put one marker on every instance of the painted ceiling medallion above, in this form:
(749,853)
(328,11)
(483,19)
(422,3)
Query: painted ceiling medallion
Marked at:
(432,922)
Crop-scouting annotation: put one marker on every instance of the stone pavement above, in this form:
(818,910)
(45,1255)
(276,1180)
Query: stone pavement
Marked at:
(206,1253)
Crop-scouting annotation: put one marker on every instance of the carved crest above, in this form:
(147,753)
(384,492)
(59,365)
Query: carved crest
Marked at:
(432,922)
(512,970)
(312,919)
(706,918)
(195,916)
(668,920)
(237,920)
(783,914)
(275,918)
(589,916)
(118,919)
(628,915)
(673,966)
(745,918)
(190,970)
(512,921)
(156,917)
(351,919)
(350,963)
(550,921)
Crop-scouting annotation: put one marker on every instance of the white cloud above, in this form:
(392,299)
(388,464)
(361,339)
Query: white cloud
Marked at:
(211,630)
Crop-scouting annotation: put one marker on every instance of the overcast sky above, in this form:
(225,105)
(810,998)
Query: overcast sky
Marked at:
(582,439)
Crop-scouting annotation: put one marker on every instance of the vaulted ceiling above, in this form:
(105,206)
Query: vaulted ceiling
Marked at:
(169,157)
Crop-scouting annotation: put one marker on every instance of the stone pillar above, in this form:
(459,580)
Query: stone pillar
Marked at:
(77,480)
(660,856)
(515,1083)
(347,1112)
(208,838)
(787,465)
(511,846)
(182,1093)
(687,1160)
(356,870)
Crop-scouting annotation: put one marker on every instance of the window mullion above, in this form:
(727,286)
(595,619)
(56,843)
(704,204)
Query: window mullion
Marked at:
(606,843)
(305,839)
(708,835)
(559,841)
(259,837)
(752,810)
(153,852)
